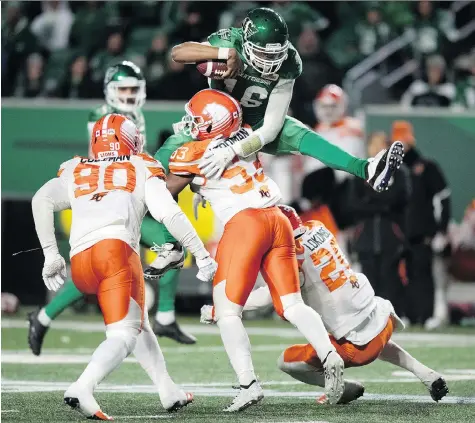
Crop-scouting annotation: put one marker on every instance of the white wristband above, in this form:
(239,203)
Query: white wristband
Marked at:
(223,53)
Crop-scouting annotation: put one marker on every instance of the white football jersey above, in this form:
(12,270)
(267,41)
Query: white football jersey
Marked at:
(242,185)
(344,299)
(346,134)
(107,198)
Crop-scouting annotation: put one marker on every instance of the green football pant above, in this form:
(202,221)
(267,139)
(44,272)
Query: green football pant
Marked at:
(67,296)
(153,231)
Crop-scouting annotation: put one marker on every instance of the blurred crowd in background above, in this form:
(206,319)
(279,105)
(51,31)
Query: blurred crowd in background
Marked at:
(61,49)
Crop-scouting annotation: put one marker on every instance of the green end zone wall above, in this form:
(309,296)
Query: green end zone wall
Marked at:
(38,136)
(446,136)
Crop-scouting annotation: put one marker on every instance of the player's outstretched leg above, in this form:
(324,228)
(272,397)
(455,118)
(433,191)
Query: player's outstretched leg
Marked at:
(290,362)
(40,320)
(297,137)
(150,356)
(433,381)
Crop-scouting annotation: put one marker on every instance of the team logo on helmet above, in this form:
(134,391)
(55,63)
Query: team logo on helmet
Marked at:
(249,28)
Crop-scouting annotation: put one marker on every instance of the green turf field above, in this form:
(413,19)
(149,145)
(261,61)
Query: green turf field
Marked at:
(32,387)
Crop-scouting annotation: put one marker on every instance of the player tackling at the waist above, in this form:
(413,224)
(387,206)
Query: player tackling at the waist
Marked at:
(360,324)
(109,196)
(257,238)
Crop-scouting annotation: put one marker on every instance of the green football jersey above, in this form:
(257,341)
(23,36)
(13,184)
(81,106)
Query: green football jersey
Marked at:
(136,117)
(250,88)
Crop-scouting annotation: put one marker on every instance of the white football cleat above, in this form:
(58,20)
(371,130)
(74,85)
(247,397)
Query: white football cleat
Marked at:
(334,382)
(247,396)
(179,399)
(436,322)
(382,167)
(83,401)
(353,390)
(170,256)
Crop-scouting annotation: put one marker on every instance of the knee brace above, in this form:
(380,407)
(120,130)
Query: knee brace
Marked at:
(125,334)
(223,306)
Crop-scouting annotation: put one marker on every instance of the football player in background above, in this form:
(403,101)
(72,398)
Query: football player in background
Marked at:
(360,324)
(262,66)
(346,132)
(109,194)
(125,93)
(257,237)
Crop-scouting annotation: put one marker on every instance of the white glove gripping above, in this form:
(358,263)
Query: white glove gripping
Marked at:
(54,271)
(207,315)
(197,200)
(207,269)
(215,160)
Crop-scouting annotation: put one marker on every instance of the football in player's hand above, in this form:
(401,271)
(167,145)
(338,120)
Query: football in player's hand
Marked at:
(212,69)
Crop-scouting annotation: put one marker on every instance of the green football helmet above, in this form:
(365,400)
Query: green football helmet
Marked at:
(266,40)
(124,87)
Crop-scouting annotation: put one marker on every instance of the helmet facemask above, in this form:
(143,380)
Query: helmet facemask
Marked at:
(127,95)
(265,59)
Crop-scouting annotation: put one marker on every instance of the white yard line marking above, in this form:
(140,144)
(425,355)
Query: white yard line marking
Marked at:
(10,411)
(424,338)
(39,386)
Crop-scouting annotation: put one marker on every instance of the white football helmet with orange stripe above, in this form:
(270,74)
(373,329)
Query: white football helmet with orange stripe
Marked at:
(114,135)
(210,114)
(330,104)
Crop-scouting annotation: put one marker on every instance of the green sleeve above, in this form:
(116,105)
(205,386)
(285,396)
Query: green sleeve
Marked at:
(222,38)
(230,37)
(169,146)
(292,67)
(97,113)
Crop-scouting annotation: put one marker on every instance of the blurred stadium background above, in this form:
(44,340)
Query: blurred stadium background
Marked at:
(55,53)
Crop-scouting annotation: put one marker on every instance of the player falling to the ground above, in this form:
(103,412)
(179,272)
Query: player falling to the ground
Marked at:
(360,324)
(257,237)
(125,94)
(109,195)
(262,66)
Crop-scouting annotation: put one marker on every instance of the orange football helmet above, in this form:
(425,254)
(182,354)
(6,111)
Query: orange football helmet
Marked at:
(210,114)
(295,221)
(114,135)
(330,104)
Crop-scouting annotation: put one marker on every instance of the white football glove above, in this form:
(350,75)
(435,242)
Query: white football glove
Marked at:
(197,200)
(54,271)
(207,268)
(215,160)
(207,315)
(439,242)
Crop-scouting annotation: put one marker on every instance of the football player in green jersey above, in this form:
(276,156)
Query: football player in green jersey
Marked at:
(262,67)
(124,90)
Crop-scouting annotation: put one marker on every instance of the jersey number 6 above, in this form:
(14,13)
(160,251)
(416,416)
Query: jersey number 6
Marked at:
(92,179)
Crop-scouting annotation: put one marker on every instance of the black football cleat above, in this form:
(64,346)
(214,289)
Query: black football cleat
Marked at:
(36,332)
(174,332)
(438,389)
